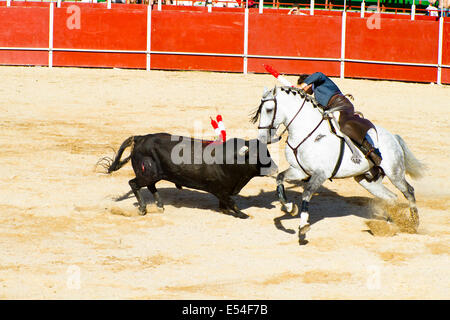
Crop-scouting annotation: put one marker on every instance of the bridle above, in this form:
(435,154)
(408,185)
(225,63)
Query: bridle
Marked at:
(270,126)
(264,100)
(325,115)
(295,149)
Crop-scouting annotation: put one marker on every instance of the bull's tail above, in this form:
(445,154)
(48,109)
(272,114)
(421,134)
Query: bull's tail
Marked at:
(414,167)
(115,164)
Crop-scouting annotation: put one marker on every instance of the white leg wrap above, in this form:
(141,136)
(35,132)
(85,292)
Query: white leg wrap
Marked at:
(289,206)
(304,216)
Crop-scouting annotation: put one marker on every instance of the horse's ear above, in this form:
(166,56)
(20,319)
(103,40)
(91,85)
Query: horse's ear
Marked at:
(274,91)
(265,90)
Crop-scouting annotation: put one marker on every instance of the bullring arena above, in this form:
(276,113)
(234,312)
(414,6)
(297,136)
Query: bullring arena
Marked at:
(59,215)
(68,231)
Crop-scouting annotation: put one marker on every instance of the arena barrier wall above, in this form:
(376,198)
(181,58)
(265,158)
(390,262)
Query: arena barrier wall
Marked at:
(225,39)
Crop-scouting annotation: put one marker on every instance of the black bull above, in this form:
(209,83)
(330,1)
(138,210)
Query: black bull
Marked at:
(220,169)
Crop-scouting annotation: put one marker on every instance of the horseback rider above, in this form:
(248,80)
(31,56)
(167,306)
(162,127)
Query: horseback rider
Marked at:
(360,130)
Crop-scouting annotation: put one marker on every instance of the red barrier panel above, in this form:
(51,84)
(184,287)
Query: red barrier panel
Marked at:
(26,28)
(393,41)
(88,28)
(295,36)
(183,31)
(446,52)
(191,30)
(390,72)
(296,67)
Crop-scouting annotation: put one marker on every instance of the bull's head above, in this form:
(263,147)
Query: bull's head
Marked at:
(257,153)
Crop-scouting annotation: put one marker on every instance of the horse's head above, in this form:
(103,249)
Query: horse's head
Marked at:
(269,116)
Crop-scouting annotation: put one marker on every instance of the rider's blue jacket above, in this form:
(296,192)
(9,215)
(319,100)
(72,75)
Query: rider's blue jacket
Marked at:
(322,87)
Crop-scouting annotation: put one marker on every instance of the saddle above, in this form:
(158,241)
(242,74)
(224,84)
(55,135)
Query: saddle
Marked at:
(356,127)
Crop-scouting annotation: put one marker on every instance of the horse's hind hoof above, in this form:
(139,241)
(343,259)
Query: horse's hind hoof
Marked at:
(302,230)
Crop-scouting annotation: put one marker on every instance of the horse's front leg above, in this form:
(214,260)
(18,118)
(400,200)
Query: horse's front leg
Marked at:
(311,186)
(290,174)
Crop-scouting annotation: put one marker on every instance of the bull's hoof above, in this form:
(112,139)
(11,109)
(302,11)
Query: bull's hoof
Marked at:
(241,215)
(142,211)
(302,230)
(152,208)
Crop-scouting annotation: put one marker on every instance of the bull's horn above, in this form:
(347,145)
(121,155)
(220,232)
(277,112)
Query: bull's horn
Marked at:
(243,151)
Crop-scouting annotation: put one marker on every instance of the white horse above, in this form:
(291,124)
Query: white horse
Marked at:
(315,153)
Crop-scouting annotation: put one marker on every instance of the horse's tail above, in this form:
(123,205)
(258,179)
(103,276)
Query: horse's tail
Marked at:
(116,164)
(414,167)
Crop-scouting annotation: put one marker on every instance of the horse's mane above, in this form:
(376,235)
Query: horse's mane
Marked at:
(254,115)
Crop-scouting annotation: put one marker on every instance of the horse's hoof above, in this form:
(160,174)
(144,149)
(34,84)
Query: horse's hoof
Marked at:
(290,208)
(414,213)
(304,229)
(302,239)
(294,210)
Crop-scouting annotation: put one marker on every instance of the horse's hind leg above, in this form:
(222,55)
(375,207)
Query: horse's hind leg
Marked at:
(408,191)
(152,188)
(376,188)
(136,188)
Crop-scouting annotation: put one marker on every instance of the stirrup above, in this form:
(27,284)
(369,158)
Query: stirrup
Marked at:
(370,153)
(374,174)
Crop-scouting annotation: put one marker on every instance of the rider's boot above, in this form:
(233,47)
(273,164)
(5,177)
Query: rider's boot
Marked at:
(373,154)
(370,152)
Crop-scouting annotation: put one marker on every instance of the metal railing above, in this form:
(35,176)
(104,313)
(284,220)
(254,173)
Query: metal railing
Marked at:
(245,55)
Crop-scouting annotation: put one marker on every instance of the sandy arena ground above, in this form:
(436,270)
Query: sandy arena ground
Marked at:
(69,232)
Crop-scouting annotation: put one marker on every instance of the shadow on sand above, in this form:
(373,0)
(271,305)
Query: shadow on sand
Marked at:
(324,204)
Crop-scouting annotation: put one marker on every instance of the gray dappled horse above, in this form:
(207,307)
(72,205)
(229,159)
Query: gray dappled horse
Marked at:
(315,153)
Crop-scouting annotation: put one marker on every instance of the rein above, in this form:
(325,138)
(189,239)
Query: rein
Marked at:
(295,150)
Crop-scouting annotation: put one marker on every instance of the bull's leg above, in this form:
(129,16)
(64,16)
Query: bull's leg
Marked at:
(158,201)
(136,188)
(228,206)
(316,180)
(290,174)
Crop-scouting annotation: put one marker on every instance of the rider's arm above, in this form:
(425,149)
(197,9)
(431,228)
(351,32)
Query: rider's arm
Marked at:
(316,78)
(306,87)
